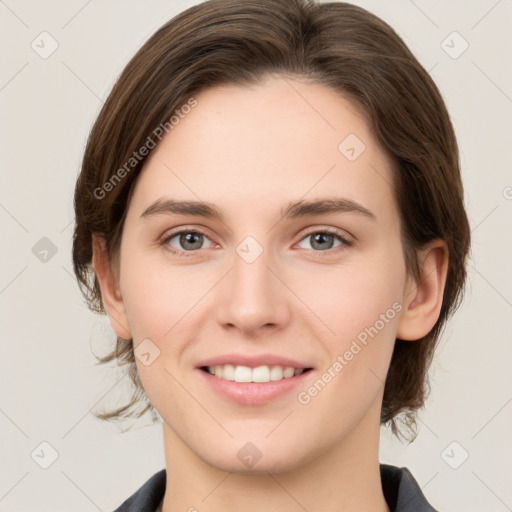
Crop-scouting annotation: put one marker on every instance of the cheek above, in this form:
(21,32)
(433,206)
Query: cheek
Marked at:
(159,296)
(353,297)
(160,384)
(361,307)
(362,312)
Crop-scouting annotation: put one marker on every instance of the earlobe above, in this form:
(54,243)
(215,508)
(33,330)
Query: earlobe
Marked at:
(423,298)
(110,292)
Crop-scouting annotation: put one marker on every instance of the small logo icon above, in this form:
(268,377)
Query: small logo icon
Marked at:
(351,147)
(44,455)
(454,45)
(454,455)
(249,455)
(249,249)
(44,250)
(44,45)
(146,352)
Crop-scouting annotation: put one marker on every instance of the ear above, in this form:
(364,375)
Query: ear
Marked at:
(423,298)
(109,287)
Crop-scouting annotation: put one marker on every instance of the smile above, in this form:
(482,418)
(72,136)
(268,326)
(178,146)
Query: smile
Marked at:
(263,373)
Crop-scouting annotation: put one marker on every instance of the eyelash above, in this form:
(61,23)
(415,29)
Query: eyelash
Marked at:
(327,252)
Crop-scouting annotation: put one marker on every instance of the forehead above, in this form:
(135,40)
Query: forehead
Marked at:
(266,145)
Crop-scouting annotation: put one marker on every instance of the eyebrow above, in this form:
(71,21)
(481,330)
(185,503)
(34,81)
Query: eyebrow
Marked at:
(293,210)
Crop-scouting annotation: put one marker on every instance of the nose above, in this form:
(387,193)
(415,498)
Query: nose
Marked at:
(253,297)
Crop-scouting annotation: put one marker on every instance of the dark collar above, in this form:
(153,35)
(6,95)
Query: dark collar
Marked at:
(402,492)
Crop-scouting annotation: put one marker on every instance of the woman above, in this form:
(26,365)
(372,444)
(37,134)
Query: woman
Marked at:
(271,206)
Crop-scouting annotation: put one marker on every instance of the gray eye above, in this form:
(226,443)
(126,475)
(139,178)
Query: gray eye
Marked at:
(322,241)
(187,240)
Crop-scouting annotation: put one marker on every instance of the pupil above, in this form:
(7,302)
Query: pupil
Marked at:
(191,238)
(320,238)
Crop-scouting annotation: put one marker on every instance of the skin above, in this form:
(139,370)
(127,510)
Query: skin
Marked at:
(250,151)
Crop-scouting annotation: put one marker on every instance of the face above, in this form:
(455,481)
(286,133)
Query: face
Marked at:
(279,285)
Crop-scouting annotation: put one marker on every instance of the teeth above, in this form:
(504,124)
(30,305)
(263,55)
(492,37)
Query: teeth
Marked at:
(276,373)
(259,374)
(242,374)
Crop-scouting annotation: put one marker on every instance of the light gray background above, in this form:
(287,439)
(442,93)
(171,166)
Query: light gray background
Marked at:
(49,381)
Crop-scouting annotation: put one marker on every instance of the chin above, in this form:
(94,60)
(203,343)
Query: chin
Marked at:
(263,466)
(254,457)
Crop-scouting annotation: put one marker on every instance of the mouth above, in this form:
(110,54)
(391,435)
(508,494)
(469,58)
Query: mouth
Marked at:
(254,379)
(258,386)
(258,374)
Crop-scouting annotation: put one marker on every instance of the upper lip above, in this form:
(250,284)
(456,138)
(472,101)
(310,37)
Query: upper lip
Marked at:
(253,361)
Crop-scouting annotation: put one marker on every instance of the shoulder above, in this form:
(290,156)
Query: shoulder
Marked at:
(148,497)
(401,490)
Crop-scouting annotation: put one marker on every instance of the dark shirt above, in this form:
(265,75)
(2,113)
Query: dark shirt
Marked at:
(402,492)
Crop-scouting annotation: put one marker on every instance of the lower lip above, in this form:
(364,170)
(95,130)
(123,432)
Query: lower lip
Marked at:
(253,393)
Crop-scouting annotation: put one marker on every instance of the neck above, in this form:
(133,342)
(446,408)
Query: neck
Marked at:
(345,477)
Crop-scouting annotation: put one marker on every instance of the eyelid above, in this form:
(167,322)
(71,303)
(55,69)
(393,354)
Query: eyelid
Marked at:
(347,239)
(164,239)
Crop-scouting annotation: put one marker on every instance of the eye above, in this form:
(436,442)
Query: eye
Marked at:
(324,240)
(185,241)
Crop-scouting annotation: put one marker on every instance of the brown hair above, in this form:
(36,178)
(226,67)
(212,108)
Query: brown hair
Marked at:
(336,44)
